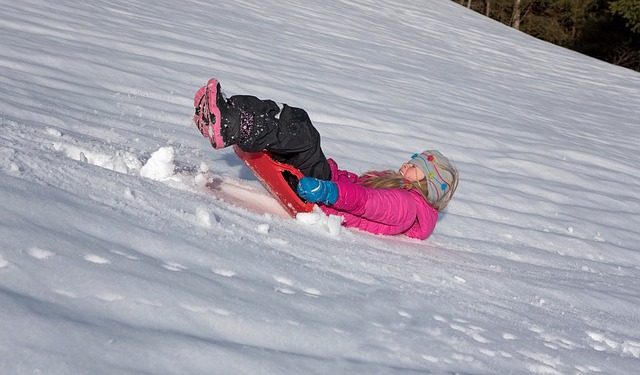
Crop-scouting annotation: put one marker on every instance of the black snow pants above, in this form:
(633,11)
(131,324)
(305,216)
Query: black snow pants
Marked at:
(288,135)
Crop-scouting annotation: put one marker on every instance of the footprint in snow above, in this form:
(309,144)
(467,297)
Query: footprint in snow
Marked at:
(289,284)
(602,343)
(464,326)
(286,282)
(440,318)
(92,258)
(40,253)
(225,273)
(54,132)
(176,267)
(312,292)
(205,309)
(131,257)
(285,291)
(471,331)
(65,293)
(109,297)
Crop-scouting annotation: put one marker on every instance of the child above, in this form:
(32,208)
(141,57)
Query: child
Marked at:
(384,202)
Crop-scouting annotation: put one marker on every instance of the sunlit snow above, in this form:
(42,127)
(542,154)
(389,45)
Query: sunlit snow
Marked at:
(129,246)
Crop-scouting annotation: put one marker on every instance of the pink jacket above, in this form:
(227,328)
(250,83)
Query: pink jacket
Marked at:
(380,211)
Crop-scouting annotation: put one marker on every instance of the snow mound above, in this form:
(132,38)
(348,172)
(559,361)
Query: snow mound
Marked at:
(160,166)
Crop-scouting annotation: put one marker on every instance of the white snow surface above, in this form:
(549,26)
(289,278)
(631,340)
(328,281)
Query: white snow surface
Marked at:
(129,246)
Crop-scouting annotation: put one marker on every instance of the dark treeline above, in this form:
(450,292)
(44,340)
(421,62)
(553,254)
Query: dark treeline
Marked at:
(608,30)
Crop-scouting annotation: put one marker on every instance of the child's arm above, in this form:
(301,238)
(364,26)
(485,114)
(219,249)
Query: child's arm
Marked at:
(393,207)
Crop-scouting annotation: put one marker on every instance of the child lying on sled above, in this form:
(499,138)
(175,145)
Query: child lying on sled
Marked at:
(382,202)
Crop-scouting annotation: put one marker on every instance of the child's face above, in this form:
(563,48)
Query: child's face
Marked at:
(411,172)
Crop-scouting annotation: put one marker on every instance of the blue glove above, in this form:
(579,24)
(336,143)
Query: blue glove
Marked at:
(314,190)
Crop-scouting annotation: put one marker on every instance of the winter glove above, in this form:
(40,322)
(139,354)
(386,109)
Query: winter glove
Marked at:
(314,190)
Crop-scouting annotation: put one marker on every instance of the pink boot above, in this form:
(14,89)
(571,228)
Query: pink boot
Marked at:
(216,119)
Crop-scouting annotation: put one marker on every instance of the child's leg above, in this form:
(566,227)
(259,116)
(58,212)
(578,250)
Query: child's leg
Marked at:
(291,138)
(214,117)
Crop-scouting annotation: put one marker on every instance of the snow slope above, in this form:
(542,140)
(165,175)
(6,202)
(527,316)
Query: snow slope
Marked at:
(118,256)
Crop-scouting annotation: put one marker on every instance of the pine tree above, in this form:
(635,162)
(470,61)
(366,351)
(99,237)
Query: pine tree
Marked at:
(629,10)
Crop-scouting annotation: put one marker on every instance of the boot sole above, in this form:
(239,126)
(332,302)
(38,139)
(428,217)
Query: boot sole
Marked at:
(211,93)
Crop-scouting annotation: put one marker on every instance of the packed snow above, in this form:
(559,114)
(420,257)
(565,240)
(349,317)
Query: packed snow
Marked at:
(129,246)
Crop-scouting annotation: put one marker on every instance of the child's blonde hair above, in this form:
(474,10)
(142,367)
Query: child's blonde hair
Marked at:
(438,199)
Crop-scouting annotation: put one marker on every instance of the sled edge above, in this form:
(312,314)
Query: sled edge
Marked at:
(271,174)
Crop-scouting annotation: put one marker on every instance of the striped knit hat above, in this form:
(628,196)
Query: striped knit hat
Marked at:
(439,180)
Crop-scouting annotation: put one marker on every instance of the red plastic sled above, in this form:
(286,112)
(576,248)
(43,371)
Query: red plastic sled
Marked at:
(278,178)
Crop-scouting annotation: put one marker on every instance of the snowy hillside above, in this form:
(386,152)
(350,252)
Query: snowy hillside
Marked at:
(127,245)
